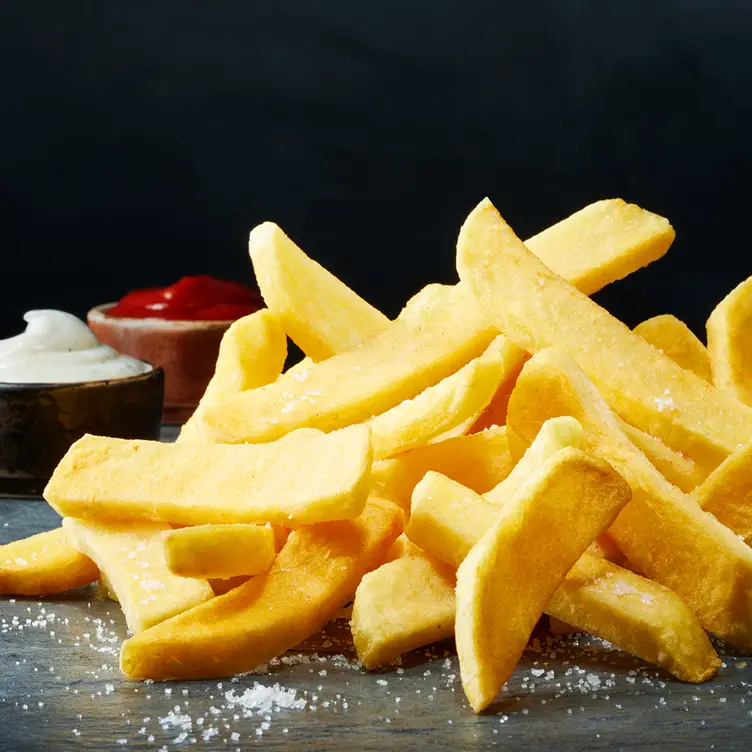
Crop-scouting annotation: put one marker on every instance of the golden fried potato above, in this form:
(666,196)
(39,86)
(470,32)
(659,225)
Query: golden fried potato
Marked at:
(676,340)
(507,579)
(219,551)
(597,596)
(403,605)
(479,461)
(455,400)
(315,573)
(603,242)
(727,493)
(251,354)
(319,312)
(305,477)
(44,564)
(729,331)
(537,309)
(661,531)
(132,559)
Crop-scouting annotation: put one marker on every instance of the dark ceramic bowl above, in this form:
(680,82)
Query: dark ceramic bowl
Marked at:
(187,350)
(38,422)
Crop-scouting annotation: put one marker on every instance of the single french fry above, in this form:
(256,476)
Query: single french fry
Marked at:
(361,382)
(727,493)
(597,596)
(315,573)
(132,559)
(460,397)
(662,531)
(44,564)
(401,606)
(319,312)
(305,477)
(251,354)
(675,467)
(507,579)
(479,461)
(219,551)
(603,242)
(676,340)
(537,309)
(729,330)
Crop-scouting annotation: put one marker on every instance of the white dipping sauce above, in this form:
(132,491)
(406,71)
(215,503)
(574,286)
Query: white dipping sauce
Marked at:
(58,348)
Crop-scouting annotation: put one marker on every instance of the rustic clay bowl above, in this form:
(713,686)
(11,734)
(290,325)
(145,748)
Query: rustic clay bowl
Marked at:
(187,350)
(38,422)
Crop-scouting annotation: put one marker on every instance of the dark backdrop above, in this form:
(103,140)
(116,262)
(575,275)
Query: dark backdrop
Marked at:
(142,140)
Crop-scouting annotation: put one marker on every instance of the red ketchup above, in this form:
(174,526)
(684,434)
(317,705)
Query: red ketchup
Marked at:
(199,298)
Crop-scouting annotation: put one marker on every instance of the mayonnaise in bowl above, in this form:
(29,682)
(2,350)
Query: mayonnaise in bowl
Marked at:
(58,348)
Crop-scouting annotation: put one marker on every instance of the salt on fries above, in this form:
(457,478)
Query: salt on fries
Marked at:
(519,491)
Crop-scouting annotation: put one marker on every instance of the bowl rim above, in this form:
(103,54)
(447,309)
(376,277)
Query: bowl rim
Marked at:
(155,373)
(99,314)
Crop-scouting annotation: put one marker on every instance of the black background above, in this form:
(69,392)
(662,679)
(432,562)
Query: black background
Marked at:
(142,140)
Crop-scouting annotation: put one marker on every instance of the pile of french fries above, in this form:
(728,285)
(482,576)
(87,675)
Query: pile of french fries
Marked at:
(502,450)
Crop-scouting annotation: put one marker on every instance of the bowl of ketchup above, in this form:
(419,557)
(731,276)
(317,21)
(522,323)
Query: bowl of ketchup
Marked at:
(179,328)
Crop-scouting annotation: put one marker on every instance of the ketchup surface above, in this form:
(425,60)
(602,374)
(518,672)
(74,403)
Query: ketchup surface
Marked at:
(199,298)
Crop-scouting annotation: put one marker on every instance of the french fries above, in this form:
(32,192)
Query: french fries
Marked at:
(479,461)
(661,531)
(404,604)
(319,313)
(251,354)
(191,484)
(290,491)
(358,384)
(729,331)
(44,564)
(219,551)
(132,559)
(597,596)
(537,309)
(676,340)
(459,398)
(727,493)
(507,579)
(315,573)
(603,242)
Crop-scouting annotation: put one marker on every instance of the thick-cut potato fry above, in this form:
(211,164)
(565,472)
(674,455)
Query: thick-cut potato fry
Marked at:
(315,573)
(603,242)
(364,381)
(251,354)
(219,551)
(479,461)
(537,309)
(675,467)
(460,397)
(131,557)
(727,493)
(507,579)
(662,531)
(319,312)
(729,330)
(401,606)
(44,564)
(675,339)
(304,478)
(597,596)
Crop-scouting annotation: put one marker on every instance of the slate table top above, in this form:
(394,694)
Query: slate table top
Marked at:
(60,688)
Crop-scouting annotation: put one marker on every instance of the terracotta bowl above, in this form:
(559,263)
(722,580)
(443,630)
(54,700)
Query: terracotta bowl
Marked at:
(38,422)
(186,350)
